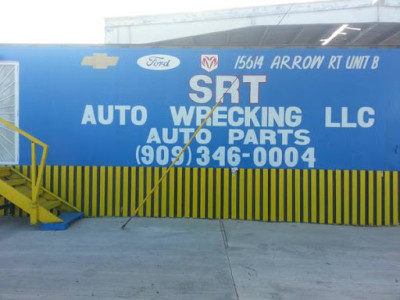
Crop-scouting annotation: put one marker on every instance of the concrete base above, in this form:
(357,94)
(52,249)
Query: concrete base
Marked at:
(197,259)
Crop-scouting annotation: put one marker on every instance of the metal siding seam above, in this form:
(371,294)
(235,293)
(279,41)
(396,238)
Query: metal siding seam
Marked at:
(387,198)
(289,195)
(281,195)
(330,197)
(257,190)
(321,196)
(379,175)
(241,193)
(179,192)
(273,195)
(86,191)
(202,193)
(249,194)
(94,191)
(195,189)
(187,192)
(210,192)
(265,191)
(218,199)
(338,197)
(314,196)
(371,197)
(164,187)
(234,196)
(125,191)
(156,193)
(102,203)
(147,205)
(226,193)
(346,197)
(171,198)
(395,198)
(362,197)
(306,197)
(297,195)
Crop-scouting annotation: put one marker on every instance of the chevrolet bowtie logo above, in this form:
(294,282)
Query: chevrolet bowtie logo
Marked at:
(100,61)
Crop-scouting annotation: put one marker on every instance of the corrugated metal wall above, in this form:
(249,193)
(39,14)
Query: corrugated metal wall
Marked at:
(309,196)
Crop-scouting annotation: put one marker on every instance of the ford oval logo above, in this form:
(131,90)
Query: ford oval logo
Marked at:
(158,62)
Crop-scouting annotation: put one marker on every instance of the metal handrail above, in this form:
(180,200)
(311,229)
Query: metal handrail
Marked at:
(36,178)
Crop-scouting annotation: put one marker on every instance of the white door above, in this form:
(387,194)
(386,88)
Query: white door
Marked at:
(9,111)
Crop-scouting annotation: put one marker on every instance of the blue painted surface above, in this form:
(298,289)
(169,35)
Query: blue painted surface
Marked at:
(55,89)
(68,219)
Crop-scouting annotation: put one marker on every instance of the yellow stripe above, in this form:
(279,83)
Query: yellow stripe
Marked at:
(297,195)
(156,195)
(265,189)
(289,196)
(234,196)
(249,194)
(149,186)
(133,191)
(171,199)
(379,176)
(226,193)
(55,180)
(70,185)
(78,189)
(281,191)
(164,194)
(25,171)
(354,200)
(94,192)
(387,198)
(102,191)
(110,198)
(210,193)
(346,197)
(218,193)
(64,182)
(257,208)
(371,197)
(362,197)
(179,193)
(338,197)
(330,197)
(306,194)
(202,193)
(86,191)
(322,196)
(141,191)
(48,177)
(117,191)
(2,202)
(395,198)
(125,191)
(187,192)
(241,194)
(273,195)
(195,192)
(314,196)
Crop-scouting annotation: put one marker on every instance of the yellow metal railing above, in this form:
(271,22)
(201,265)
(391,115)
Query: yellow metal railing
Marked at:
(36,177)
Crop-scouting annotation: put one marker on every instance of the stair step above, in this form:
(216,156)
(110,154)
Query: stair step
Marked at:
(16,182)
(48,204)
(27,191)
(4,172)
(67,218)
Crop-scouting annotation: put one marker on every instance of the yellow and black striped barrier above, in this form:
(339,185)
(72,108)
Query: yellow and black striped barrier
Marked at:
(309,196)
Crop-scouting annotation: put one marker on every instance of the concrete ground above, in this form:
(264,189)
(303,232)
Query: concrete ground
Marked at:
(198,259)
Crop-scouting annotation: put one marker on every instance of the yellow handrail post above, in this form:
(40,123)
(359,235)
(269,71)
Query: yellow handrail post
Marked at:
(34,213)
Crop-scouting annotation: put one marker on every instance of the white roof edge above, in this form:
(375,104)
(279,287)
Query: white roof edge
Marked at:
(246,12)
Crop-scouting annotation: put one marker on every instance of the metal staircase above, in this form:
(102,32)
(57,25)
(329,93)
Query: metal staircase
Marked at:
(28,193)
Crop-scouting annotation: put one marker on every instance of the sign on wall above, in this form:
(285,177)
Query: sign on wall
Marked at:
(282,108)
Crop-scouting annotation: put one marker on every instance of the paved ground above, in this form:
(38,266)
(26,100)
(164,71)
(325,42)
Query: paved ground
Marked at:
(197,259)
